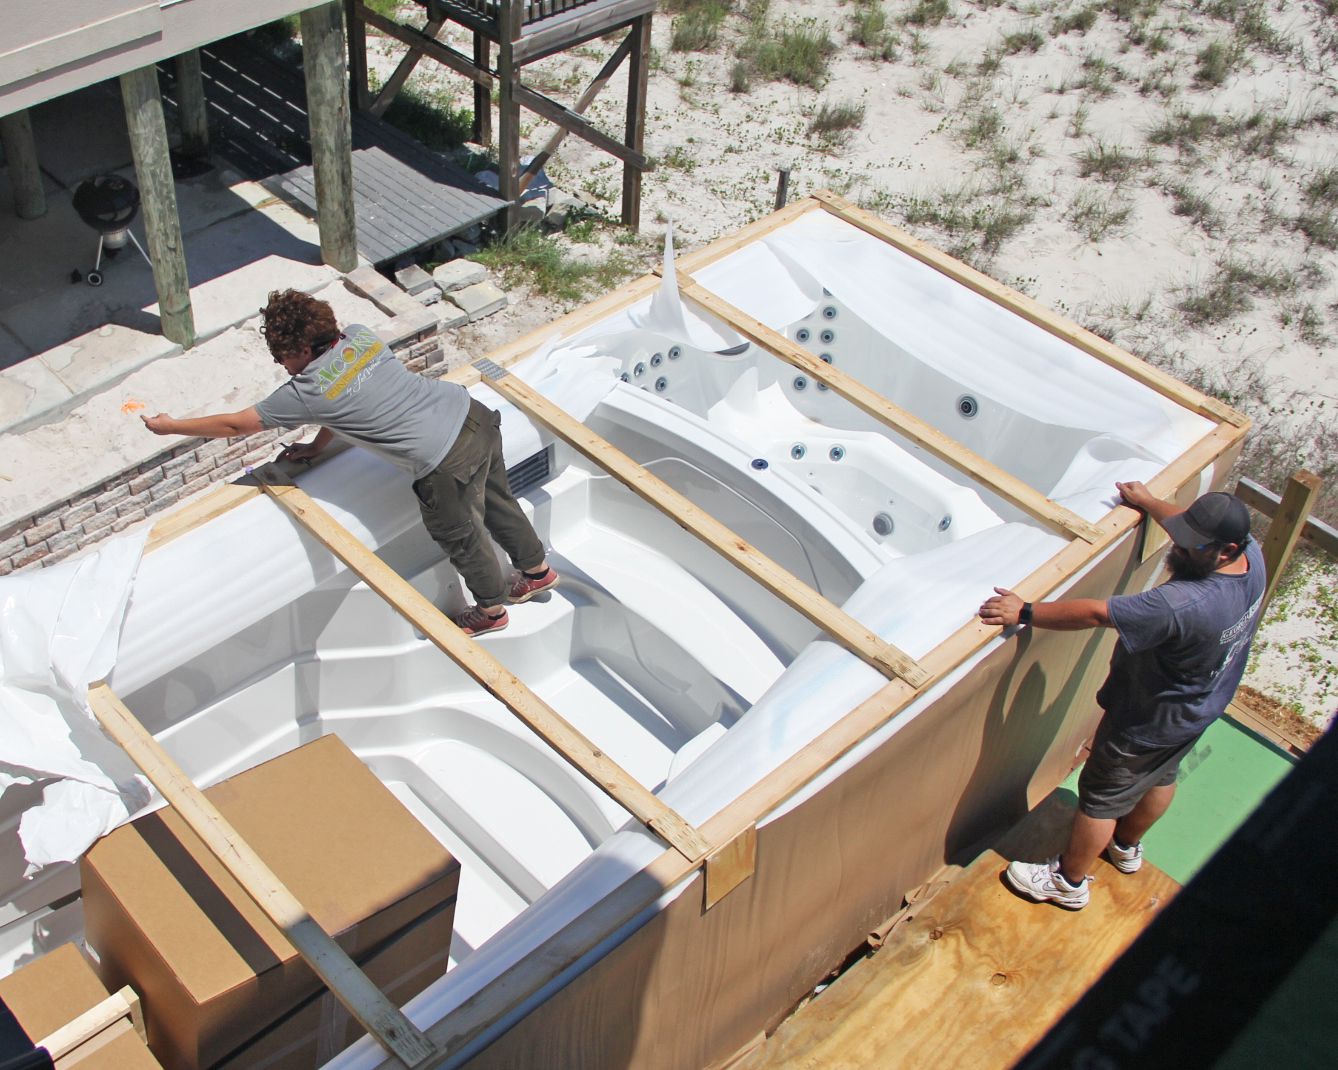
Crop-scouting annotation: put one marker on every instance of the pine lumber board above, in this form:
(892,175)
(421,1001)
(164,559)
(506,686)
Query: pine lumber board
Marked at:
(1284,530)
(974,979)
(487,671)
(850,633)
(923,434)
(121,1004)
(1033,311)
(328,960)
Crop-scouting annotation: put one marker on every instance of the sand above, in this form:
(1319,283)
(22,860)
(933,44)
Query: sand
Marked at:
(1038,143)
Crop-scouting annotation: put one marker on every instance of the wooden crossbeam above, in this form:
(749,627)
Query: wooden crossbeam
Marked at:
(587,98)
(1033,312)
(850,633)
(486,670)
(327,959)
(417,39)
(931,439)
(401,73)
(580,126)
(1314,532)
(123,1003)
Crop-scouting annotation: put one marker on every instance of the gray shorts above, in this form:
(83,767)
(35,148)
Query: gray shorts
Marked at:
(1120,771)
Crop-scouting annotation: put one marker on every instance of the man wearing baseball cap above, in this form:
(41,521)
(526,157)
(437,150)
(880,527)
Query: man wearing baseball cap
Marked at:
(1181,653)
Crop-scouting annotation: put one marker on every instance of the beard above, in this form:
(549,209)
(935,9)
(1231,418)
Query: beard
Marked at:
(1184,567)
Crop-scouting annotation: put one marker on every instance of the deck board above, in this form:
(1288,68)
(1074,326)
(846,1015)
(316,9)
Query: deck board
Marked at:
(975,978)
(405,196)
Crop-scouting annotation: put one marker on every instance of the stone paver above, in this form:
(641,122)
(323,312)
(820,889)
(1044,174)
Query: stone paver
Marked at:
(481,299)
(459,274)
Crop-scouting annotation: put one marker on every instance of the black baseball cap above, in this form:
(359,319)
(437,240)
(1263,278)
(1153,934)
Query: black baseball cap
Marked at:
(1216,517)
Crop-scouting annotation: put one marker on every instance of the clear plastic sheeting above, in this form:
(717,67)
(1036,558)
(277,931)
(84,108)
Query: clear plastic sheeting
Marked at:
(59,632)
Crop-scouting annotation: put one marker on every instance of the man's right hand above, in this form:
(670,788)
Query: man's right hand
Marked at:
(1137,495)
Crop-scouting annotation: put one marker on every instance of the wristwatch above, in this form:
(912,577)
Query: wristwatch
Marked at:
(1024,614)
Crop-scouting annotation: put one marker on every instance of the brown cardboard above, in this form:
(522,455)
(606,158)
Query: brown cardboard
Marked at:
(322,1026)
(165,917)
(51,992)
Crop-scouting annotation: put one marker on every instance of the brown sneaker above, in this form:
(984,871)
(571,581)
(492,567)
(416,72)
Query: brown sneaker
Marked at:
(474,621)
(524,587)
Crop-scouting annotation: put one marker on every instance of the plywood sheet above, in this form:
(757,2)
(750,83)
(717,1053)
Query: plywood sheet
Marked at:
(973,980)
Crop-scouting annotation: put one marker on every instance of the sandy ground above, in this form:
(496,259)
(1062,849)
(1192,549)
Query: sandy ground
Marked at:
(1084,153)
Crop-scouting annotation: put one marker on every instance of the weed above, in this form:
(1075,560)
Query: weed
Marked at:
(1308,321)
(678,158)
(429,116)
(1022,41)
(698,29)
(1079,21)
(929,12)
(1095,213)
(1231,290)
(738,77)
(1108,163)
(868,29)
(1189,203)
(1078,120)
(797,53)
(1318,218)
(834,118)
(1185,130)
(1098,76)
(1217,59)
(526,256)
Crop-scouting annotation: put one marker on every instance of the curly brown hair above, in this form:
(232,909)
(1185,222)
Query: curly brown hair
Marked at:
(297,324)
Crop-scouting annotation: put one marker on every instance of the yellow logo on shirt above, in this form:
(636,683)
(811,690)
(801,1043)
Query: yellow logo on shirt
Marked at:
(344,366)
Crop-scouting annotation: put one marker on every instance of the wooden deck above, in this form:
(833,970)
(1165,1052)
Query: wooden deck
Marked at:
(405,196)
(977,976)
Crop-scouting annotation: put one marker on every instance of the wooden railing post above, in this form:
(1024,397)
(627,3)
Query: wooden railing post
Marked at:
(1285,528)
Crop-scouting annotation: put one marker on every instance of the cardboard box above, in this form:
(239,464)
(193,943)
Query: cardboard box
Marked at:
(51,992)
(165,917)
(322,1027)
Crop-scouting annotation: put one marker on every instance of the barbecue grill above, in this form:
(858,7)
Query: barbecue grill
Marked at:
(108,204)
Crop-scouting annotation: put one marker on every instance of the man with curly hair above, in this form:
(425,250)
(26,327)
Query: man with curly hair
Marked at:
(350,384)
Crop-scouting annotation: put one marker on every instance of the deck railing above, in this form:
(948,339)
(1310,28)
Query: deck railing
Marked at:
(534,11)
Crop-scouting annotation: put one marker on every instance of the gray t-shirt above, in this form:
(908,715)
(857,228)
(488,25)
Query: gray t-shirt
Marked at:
(361,392)
(1182,651)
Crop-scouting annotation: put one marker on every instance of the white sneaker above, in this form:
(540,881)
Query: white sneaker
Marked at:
(1125,859)
(1043,882)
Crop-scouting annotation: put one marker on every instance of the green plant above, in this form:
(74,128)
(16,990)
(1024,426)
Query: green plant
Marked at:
(1110,163)
(1193,205)
(1185,130)
(929,12)
(1095,213)
(527,257)
(1216,61)
(797,52)
(678,158)
(1079,21)
(1022,41)
(738,77)
(430,116)
(1318,218)
(1098,76)
(834,118)
(698,27)
(1231,290)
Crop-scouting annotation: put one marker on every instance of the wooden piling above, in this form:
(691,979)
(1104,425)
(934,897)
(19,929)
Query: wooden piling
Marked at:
(331,133)
(158,197)
(193,116)
(16,132)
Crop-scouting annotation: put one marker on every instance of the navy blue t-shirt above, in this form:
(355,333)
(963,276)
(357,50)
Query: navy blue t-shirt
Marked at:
(1182,651)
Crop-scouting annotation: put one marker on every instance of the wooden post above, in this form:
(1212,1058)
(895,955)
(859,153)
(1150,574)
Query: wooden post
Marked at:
(638,76)
(330,962)
(508,112)
(1285,528)
(158,197)
(192,113)
(358,90)
(331,133)
(25,175)
(585,100)
(482,94)
(782,187)
(386,97)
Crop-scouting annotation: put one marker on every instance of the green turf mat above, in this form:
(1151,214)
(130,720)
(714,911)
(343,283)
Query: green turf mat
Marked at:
(1221,781)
